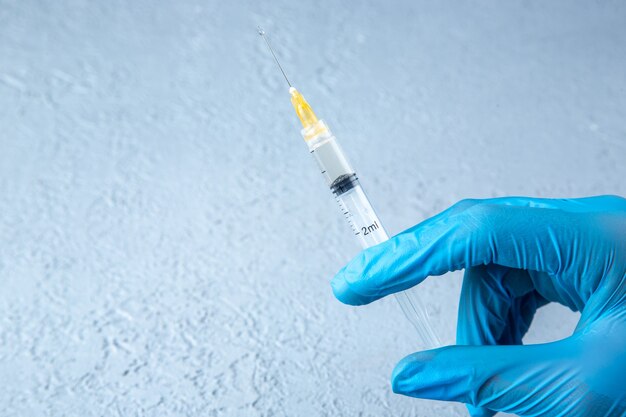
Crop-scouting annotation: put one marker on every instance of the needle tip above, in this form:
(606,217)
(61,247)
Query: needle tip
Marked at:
(262,33)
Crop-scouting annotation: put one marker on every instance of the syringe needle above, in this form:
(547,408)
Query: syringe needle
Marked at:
(264,36)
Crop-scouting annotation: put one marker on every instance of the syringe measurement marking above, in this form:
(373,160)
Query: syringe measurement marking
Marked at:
(369,229)
(357,231)
(347,215)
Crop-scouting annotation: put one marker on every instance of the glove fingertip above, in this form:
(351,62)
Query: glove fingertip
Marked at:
(403,377)
(343,293)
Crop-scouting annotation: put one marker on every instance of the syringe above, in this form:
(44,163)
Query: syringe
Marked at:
(354,204)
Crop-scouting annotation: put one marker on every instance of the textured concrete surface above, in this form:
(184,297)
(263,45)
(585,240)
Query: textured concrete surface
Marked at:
(165,241)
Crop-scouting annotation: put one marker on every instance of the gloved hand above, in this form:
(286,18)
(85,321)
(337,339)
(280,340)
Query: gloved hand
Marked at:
(518,254)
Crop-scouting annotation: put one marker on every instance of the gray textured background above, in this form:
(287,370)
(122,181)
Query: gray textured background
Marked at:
(165,241)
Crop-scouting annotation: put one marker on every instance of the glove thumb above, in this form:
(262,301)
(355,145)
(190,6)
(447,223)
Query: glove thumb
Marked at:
(516,379)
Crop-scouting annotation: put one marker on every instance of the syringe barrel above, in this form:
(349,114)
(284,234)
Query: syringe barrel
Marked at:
(365,224)
(343,182)
(360,214)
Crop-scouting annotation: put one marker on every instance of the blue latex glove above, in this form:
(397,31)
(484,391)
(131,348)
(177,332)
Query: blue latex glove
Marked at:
(518,254)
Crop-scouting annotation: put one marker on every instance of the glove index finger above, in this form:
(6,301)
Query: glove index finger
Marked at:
(482,234)
(400,263)
(345,284)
